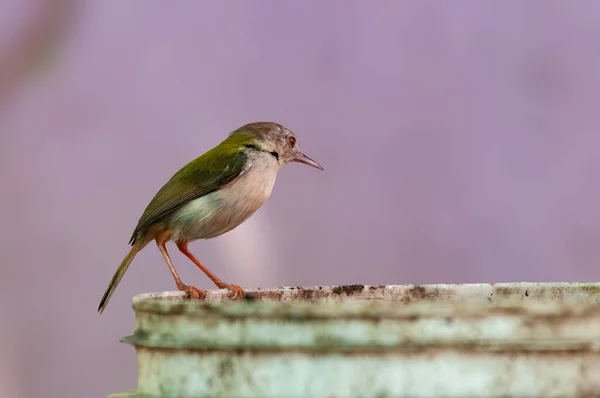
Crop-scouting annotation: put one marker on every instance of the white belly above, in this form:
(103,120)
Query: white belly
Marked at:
(223,210)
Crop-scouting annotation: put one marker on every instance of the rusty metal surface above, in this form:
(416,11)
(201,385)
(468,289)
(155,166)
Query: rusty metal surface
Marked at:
(480,340)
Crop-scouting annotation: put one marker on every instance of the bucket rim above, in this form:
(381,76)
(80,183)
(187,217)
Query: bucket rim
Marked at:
(381,301)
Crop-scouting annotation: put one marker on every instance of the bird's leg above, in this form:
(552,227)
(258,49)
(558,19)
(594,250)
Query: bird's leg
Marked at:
(235,289)
(192,291)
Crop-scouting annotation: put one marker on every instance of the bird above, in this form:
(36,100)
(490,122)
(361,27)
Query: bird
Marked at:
(211,195)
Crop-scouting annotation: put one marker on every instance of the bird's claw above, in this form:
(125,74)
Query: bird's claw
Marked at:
(237,291)
(193,292)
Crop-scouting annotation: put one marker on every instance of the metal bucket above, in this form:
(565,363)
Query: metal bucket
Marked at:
(479,340)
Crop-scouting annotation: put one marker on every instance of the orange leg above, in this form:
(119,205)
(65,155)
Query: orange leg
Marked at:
(161,240)
(235,289)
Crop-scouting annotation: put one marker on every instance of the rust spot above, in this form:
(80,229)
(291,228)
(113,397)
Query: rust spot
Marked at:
(504,291)
(418,293)
(556,293)
(251,296)
(349,290)
(268,295)
(589,289)
(306,294)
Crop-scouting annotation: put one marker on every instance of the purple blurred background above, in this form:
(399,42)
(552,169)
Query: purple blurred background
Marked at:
(459,141)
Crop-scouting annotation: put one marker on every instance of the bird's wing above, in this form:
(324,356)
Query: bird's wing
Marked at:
(201,176)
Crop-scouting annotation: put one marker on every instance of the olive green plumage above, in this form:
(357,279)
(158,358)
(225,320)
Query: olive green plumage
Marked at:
(207,173)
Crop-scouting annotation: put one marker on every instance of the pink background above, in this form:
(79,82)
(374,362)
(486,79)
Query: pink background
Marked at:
(459,139)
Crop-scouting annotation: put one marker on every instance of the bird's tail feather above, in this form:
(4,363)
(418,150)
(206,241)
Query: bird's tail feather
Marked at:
(119,274)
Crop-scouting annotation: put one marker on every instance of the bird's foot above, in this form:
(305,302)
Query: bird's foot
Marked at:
(192,292)
(236,291)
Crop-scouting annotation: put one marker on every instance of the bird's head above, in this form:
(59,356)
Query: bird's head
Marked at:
(276,140)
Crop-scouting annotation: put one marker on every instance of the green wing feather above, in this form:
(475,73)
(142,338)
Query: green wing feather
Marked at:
(203,175)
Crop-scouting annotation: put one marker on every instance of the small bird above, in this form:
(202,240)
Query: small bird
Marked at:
(211,195)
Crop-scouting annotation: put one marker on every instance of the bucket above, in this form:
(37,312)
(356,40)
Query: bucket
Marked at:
(475,340)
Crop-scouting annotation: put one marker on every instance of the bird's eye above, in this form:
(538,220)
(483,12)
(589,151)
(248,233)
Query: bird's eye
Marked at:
(292,141)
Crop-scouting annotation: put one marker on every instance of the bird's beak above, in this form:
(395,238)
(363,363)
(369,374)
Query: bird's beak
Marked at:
(302,158)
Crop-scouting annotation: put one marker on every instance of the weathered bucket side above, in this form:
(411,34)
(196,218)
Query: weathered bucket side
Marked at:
(481,340)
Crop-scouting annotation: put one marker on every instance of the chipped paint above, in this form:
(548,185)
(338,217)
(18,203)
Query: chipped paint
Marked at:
(484,340)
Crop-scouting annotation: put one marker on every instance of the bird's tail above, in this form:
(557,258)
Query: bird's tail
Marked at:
(119,274)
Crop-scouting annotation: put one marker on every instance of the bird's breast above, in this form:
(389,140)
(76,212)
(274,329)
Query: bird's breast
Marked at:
(223,210)
(247,194)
